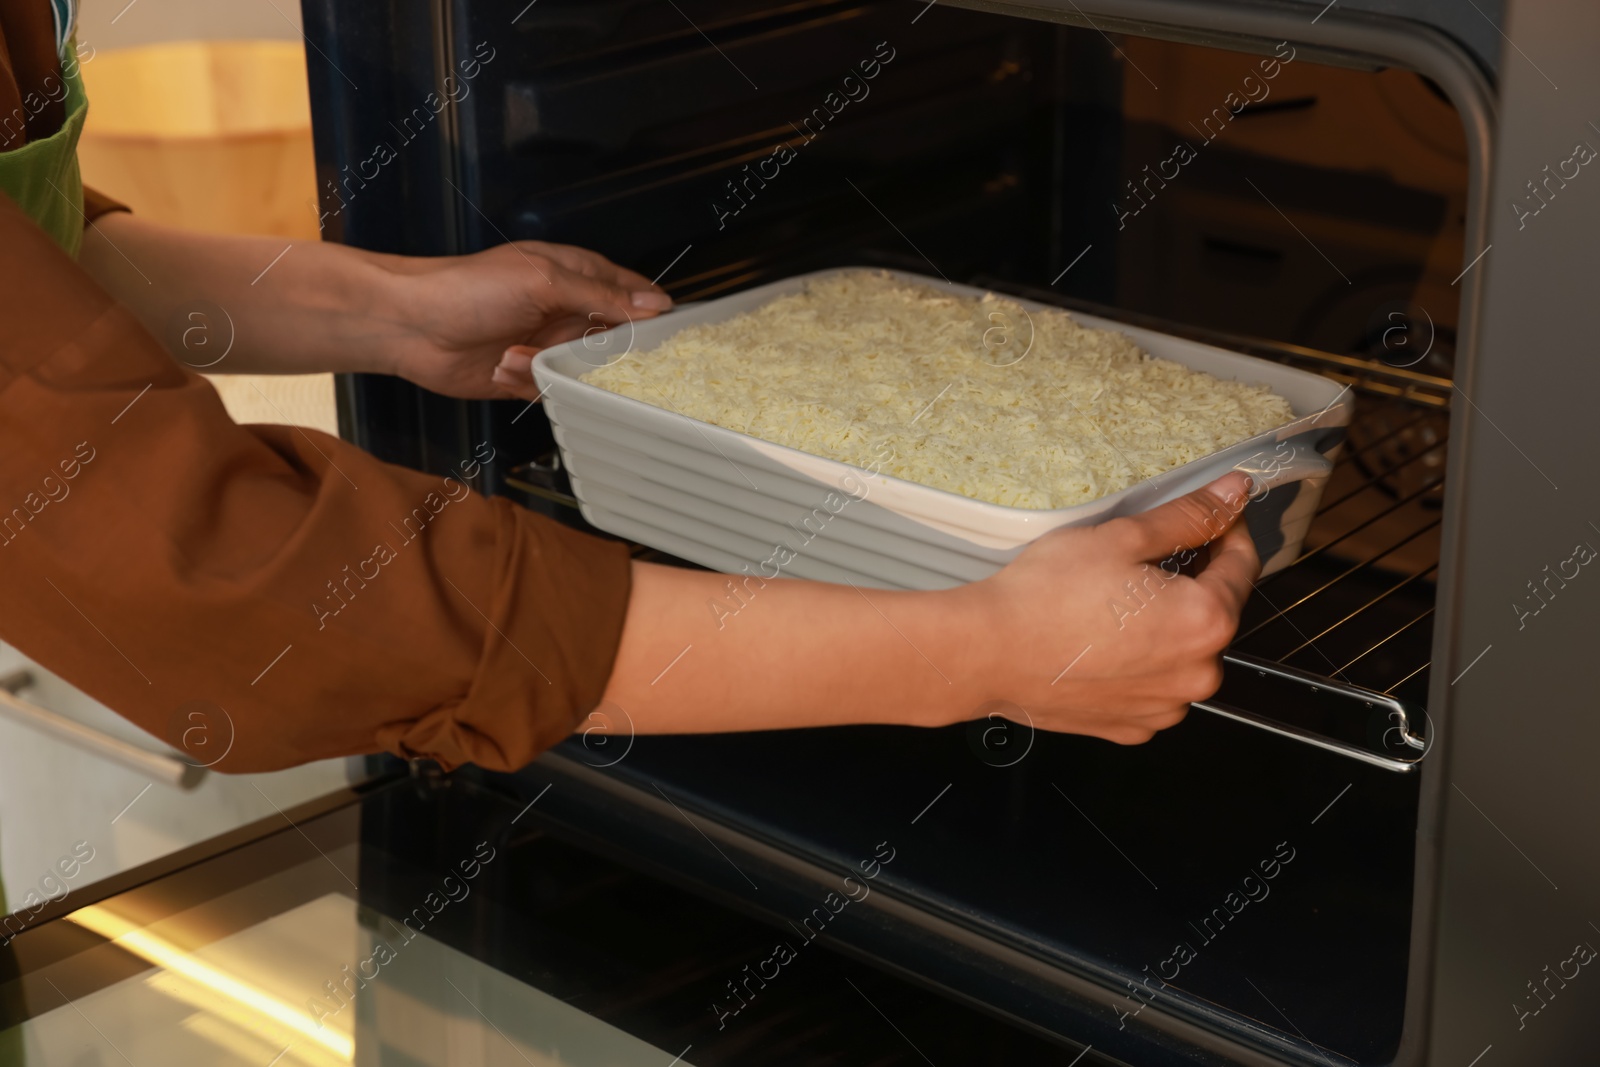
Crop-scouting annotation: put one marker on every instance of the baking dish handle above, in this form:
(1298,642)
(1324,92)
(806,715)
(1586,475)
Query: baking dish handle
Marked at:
(1291,460)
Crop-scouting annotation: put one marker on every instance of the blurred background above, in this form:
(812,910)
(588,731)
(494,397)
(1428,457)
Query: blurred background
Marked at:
(199,117)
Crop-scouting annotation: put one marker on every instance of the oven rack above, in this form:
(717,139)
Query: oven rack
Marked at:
(1355,610)
(1357,605)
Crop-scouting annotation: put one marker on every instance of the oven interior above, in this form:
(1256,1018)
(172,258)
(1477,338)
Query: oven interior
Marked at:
(1317,217)
(1321,226)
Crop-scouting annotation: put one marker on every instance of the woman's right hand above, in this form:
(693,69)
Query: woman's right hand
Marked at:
(1093,635)
(1054,636)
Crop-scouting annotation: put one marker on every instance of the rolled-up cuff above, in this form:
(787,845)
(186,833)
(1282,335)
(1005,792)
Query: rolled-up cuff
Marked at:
(550,642)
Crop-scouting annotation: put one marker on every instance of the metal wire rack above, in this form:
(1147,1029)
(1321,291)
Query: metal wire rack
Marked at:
(1357,605)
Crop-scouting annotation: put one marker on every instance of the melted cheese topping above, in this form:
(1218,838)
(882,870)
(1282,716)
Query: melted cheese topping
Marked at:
(977,396)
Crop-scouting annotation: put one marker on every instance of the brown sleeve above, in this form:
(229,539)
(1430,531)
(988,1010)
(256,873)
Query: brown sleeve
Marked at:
(96,203)
(308,599)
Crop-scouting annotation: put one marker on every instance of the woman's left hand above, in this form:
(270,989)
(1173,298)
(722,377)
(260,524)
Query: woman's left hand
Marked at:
(443,322)
(463,313)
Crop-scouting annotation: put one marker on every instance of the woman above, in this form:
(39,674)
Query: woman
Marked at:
(158,555)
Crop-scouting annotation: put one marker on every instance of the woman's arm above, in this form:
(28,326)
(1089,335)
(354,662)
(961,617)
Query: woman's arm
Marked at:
(307,306)
(706,652)
(264,596)
(1084,632)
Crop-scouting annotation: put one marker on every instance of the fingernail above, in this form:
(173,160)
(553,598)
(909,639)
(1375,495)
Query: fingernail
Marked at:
(517,360)
(501,376)
(650,300)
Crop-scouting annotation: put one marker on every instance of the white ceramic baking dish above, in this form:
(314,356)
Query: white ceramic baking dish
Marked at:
(737,504)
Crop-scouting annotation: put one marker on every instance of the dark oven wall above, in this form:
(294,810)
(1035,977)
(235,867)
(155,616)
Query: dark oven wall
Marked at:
(774,142)
(720,152)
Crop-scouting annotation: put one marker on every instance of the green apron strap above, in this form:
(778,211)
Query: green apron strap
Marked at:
(42,176)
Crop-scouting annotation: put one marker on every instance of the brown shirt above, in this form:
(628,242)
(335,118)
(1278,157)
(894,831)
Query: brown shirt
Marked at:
(302,598)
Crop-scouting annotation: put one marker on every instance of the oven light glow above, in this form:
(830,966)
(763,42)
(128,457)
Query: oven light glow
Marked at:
(163,953)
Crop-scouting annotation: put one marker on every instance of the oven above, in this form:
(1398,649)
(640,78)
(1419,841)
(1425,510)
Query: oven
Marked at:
(1372,846)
